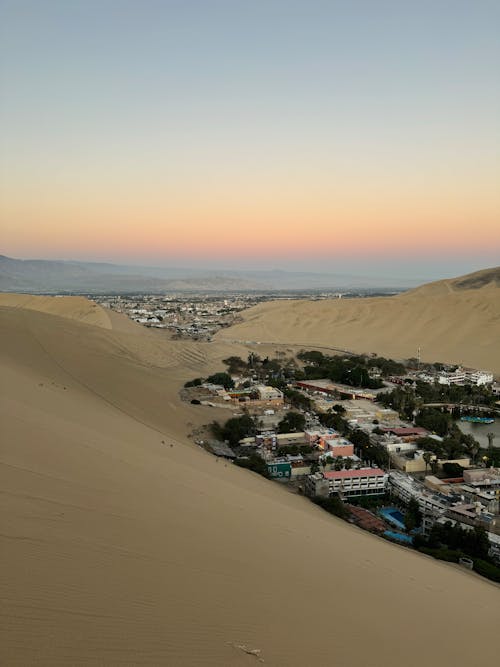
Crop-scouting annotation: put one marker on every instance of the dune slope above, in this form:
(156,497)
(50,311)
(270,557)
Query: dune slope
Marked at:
(124,544)
(73,307)
(448,322)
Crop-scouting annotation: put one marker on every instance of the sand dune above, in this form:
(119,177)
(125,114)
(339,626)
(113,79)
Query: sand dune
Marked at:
(73,307)
(448,322)
(120,549)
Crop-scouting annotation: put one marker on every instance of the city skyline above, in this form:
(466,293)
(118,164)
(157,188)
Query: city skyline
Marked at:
(303,136)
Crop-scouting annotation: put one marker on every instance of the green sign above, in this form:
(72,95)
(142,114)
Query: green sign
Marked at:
(279,470)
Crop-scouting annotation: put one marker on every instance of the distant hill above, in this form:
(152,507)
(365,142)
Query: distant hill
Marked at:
(44,276)
(470,281)
(455,321)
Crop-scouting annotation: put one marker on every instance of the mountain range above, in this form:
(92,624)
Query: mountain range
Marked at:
(57,276)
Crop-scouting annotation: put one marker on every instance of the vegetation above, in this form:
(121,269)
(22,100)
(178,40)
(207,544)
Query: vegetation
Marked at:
(453,470)
(334,420)
(349,370)
(466,394)
(236,365)
(366,449)
(490,456)
(487,569)
(194,383)
(333,505)
(434,421)
(253,462)
(234,429)
(451,543)
(297,399)
(455,445)
(402,399)
(294,450)
(413,515)
(371,502)
(223,379)
(291,422)
(442,553)
(472,542)
(276,372)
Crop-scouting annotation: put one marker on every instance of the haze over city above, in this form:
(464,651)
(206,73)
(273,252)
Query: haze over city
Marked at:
(359,137)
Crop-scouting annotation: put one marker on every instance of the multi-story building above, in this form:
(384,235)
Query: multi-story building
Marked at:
(406,488)
(484,479)
(464,376)
(347,483)
(480,377)
(336,446)
(271,395)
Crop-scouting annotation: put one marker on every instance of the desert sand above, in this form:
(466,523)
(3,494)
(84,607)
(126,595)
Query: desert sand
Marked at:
(451,321)
(125,544)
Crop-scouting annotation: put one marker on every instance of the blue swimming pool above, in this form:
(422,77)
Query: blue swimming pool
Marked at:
(394,516)
(400,537)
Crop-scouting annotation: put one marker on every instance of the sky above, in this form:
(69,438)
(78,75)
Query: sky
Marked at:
(354,136)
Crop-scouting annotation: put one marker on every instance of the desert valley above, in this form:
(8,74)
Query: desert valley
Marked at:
(125,543)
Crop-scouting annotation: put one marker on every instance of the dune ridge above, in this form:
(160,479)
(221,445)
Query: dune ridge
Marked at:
(72,307)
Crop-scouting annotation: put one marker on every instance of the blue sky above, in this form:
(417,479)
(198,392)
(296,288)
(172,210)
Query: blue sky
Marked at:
(290,134)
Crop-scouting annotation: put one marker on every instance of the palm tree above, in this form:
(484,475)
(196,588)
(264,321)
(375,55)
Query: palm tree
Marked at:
(427,456)
(474,450)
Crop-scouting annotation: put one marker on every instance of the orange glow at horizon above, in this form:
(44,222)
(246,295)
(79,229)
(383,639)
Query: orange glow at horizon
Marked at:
(290,223)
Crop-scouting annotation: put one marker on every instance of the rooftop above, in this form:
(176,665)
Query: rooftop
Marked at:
(360,472)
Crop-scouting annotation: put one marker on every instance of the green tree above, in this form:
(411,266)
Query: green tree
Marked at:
(235,364)
(255,463)
(413,516)
(427,456)
(234,429)
(194,383)
(453,470)
(223,379)
(291,422)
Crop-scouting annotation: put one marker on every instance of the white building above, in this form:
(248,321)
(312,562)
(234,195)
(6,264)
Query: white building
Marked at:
(348,483)
(268,393)
(480,377)
(406,488)
(466,375)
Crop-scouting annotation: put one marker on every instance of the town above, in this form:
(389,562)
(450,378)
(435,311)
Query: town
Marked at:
(198,316)
(380,443)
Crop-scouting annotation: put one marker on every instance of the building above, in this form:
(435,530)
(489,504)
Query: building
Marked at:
(332,389)
(414,461)
(406,488)
(337,446)
(290,439)
(480,377)
(270,395)
(469,515)
(314,436)
(347,483)
(259,396)
(407,433)
(465,376)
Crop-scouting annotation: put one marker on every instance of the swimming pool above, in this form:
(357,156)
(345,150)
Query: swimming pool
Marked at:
(398,536)
(394,516)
